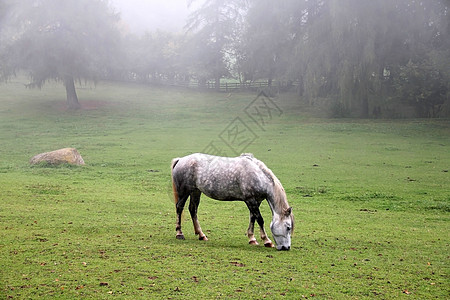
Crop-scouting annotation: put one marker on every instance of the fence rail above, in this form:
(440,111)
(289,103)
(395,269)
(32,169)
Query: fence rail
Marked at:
(257,85)
(275,85)
(237,86)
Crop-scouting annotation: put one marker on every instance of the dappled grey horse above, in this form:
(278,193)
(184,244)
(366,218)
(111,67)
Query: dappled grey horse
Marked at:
(243,178)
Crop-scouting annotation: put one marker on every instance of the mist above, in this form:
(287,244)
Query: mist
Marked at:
(379,59)
(142,16)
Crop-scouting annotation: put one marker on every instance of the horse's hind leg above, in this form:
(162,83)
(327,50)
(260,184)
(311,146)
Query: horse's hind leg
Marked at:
(251,231)
(193,206)
(179,205)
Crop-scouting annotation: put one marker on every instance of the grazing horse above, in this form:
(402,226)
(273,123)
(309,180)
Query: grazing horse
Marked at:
(243,178)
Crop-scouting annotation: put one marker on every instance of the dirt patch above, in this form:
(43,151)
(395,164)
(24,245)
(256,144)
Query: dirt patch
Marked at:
(85,105)
(95,104)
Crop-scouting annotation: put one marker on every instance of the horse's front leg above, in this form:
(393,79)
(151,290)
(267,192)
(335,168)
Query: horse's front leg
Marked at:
(193,207)
(264,237)
(255,214)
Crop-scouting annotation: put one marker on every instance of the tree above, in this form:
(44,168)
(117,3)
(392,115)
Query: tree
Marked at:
(338,50)
(60,40)
(424,81)
(215,27)
(352,54)
(155,56)
(421,86)
(5,8)
(267,39)
(343,47)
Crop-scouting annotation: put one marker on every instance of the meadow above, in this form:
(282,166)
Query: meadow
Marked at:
(371,199)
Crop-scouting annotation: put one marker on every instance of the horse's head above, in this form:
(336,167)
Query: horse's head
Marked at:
(282,227)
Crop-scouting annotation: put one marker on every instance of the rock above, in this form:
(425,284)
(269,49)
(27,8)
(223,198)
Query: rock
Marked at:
(61,156)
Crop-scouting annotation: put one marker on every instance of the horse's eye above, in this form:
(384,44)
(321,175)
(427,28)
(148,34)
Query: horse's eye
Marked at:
(288,228)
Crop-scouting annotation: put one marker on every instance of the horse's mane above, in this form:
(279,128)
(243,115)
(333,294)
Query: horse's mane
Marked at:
(279,193)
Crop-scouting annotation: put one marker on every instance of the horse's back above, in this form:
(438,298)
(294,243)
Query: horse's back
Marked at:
(222,178)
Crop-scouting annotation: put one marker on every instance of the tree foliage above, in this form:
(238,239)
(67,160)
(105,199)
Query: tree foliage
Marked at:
(422,86)
(60,40)
(355,57)
(154,57)
(267,40)
(340,49)
(215,27)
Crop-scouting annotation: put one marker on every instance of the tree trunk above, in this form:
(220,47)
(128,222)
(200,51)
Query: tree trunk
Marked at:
(365,106)
(202,83)
(301,86)
(218,83)
(72,98)
(363,96)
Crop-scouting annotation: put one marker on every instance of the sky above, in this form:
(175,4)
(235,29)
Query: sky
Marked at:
(150,15)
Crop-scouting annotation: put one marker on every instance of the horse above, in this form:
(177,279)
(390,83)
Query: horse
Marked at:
(243,178)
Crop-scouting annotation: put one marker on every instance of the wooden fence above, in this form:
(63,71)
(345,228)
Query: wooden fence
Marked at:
(275,86)
(238,86)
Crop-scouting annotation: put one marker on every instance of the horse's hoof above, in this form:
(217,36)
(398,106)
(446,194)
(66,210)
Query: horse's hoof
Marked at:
(253,242)
(180,237)
(203,238)
(269,245)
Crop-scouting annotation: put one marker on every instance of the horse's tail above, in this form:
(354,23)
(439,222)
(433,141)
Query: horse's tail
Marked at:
(175,192)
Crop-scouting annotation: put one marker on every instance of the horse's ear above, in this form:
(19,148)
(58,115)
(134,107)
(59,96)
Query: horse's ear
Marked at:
(288,211)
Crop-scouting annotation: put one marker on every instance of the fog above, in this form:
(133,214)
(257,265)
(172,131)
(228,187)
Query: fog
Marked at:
(149,15)
(356,58)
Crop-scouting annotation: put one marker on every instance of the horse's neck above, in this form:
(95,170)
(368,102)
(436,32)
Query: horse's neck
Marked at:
(277,200)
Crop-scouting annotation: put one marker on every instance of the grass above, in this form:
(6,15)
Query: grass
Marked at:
(371,200)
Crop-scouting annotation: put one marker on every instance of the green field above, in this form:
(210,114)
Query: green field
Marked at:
(371,199)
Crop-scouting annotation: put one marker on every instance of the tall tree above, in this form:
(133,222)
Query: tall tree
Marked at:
(348,52)
(5,9)
(155,56)
(338,48)
(346,45)
(268,39)
(423,77)
(214,27)
(60,40)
